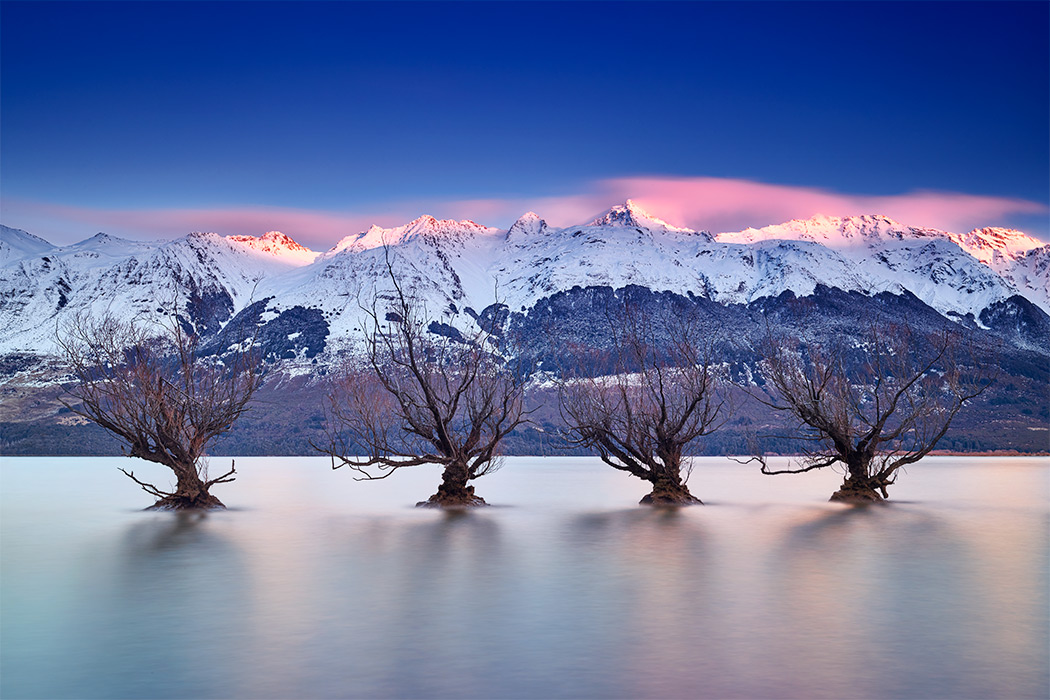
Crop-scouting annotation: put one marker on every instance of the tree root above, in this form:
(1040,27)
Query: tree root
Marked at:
(856,494)
(662,496)
(453,498)
(860,490)
(203,501)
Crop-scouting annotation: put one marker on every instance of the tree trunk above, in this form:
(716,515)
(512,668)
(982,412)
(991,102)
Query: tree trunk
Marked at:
(190,493)
(670,491)
(454,492)
(861,487)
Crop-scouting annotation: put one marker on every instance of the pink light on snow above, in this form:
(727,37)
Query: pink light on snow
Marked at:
(717,205)
(721,205)
(63,224)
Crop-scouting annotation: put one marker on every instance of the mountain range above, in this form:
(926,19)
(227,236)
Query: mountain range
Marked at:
(308,304)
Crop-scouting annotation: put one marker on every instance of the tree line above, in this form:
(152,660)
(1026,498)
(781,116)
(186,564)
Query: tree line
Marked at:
(416,397)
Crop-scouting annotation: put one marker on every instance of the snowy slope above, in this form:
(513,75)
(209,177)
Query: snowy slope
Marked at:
(625,245)
(37,288)
(886,255)
(276,246)
(834,232)
(16,243)
(1029,273)
(443,262)
(1020,259)
(995,247)
(460,267)
(206,276)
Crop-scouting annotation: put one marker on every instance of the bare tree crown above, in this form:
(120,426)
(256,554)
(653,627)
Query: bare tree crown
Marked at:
(662,395)
(422,397)
(874,407)
(150,386)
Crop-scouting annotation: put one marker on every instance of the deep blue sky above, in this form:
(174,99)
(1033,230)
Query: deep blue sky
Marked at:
(350,106)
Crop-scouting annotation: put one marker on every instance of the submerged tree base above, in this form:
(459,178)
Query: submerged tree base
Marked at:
(203,501)
(447,497)
(850,493)
(664,496)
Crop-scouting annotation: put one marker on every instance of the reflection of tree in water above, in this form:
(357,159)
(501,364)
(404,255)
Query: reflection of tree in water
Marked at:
(636,602)
(183,530)
(181,549)
(172,616)
(418,607)
(878,597)
(628,518)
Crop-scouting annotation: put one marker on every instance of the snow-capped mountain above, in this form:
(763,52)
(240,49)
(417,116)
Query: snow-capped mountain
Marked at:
(1020,259)
(936,266)
(1029,273)
(834,232)
(16,243)
(630,215)
(425,229)
(277,246)
(867,254)
(624,245)
(461,267)
(993,246)
(204,274)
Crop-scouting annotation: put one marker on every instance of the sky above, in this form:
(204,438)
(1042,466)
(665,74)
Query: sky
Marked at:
(153,119)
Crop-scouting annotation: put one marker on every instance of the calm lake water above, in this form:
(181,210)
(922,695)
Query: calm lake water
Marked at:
(313,585)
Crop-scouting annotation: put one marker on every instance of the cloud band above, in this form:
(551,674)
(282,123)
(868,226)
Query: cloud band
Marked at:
(707,203)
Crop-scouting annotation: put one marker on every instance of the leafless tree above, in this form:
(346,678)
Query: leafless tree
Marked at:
(150,386)
(421,397)
(871,409)
(662,394)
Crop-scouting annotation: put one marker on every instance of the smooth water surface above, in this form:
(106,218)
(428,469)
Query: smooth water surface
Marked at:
(313,585)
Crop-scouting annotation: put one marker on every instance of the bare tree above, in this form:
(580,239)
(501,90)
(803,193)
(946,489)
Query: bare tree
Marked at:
(151,387)
(661,395)
(871,409)
(423,397)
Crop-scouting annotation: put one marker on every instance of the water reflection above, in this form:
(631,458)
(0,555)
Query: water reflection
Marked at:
(167,532)
(391,604)
(763,596)
(150,609)
(147,617)
(435,587)
(649,572)
(898,587)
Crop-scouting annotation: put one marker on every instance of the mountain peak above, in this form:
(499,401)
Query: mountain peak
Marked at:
(833,231)
(630,215)
(104,241)
(626,214)
(277,245)
(280,240)
(16,243)
(528,224)
(987,243)
(429,224)
(426,227)
(426,220)
(99,239)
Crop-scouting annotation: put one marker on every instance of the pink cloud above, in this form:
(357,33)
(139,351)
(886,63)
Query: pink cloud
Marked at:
(712,204)
(62,224)
(729,205)
(722,205)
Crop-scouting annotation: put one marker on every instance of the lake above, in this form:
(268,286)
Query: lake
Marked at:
(314,585)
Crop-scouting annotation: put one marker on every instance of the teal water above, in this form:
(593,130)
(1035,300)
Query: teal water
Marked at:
(313,585)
